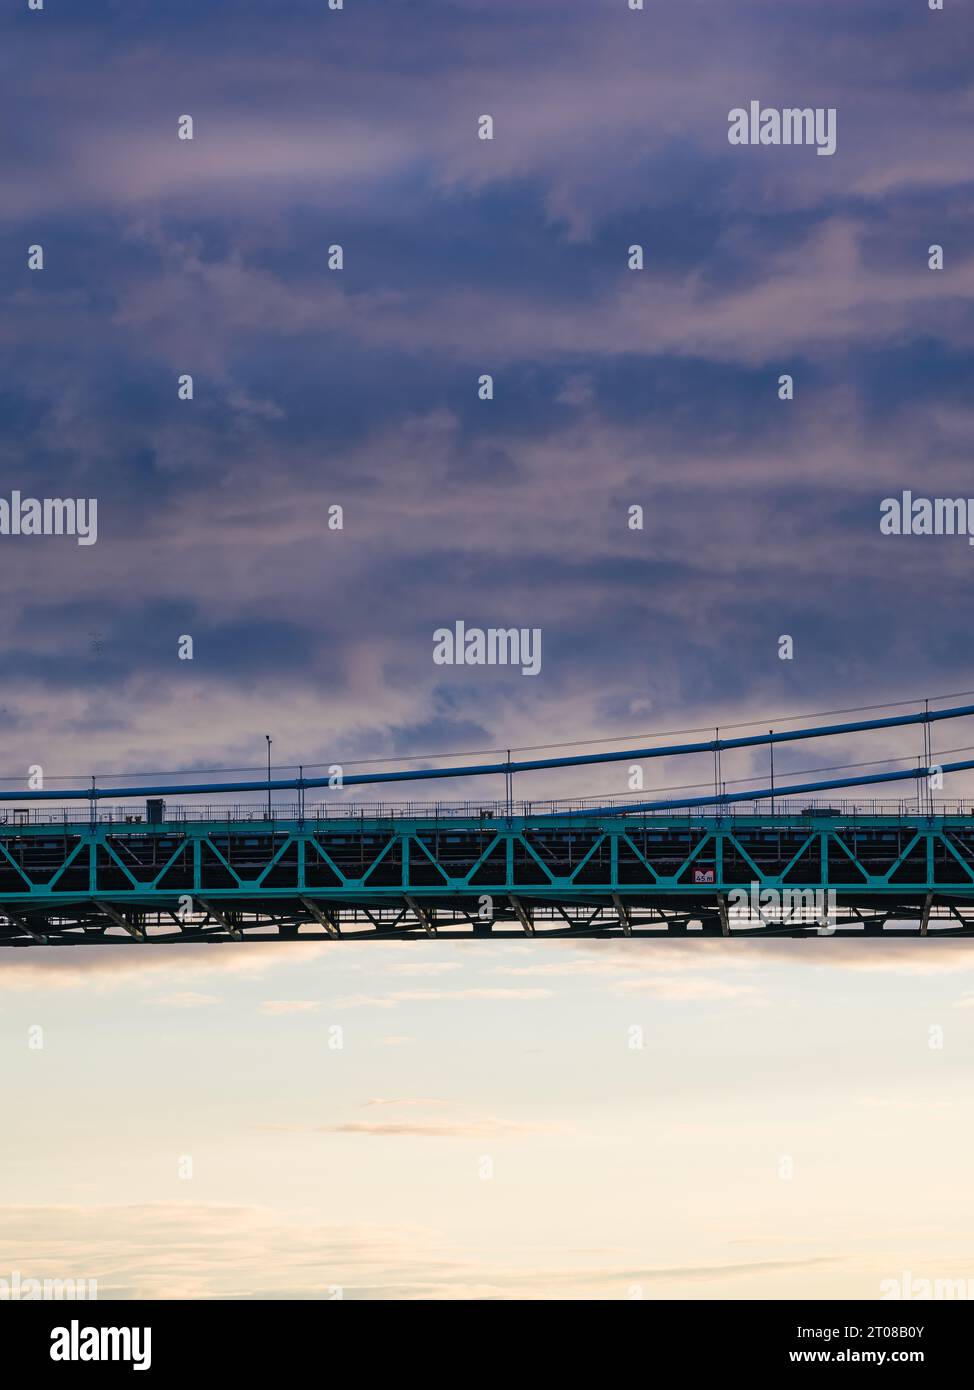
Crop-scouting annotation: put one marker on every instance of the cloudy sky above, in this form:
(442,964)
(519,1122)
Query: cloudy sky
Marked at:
(358,388)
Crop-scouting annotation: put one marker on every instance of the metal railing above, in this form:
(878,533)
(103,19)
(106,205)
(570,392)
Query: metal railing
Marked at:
(805,809)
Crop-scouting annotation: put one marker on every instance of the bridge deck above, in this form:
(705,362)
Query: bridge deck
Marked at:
(794,872)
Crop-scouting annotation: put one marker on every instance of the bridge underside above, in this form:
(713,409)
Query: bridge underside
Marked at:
(652,876)
(293,920)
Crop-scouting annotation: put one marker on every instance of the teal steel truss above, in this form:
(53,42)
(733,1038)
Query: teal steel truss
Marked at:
(585,875)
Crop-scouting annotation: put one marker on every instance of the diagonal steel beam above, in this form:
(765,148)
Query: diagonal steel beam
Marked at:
(523,916)
(218,916)
(21,922)
(925,918)
(426,916)
(119,920)
(625,919)
(327,919)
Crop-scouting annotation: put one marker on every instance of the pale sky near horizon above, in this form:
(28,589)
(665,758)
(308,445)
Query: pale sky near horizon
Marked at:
(486,1128)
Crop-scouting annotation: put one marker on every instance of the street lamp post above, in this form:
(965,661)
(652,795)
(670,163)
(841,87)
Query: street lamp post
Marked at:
(269,742)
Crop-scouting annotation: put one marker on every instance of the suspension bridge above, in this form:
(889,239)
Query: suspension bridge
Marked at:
(123,864)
